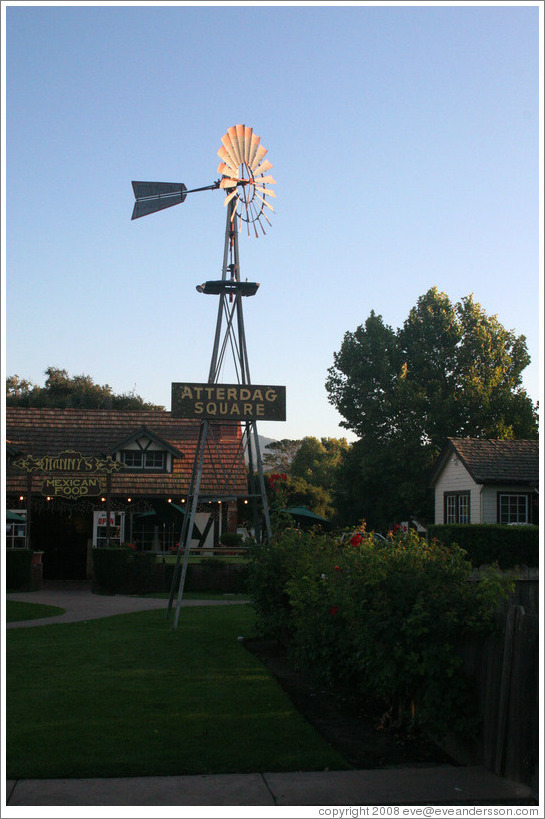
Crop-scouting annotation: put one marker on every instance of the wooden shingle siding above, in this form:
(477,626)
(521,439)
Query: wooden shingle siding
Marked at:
(45,431)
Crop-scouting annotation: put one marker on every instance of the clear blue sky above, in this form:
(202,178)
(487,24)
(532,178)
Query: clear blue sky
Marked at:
(405,146)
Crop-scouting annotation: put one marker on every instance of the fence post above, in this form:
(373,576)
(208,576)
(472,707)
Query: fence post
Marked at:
(514,616)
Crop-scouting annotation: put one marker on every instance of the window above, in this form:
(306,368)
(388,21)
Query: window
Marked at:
(16,534)
(456,507)
(152,460)
(513,508)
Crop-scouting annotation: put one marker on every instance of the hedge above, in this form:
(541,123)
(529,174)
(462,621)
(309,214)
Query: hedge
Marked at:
(232,539)
(485,544)
(123,571)
(18,563)
(210,575)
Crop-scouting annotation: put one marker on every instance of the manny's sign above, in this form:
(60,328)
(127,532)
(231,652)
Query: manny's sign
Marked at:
(229,402)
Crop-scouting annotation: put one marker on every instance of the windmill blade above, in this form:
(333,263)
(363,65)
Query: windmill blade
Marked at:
(227,160)
(154,196)
(265,191)
(254,143)
(266,179)
(230,196)
(232,133)
(228,183)
(240,142)
(228,146)
(247,143)
(226,170)
(264,202)
(265,166)
(259,154)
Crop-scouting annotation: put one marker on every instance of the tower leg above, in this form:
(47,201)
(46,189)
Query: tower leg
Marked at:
(187,527)
(261,480)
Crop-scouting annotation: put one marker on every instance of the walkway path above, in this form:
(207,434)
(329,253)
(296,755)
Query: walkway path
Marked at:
(81,604)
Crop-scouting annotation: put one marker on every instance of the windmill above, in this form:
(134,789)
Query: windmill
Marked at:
(246,183)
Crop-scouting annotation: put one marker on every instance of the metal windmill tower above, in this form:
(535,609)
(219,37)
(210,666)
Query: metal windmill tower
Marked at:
(245,182)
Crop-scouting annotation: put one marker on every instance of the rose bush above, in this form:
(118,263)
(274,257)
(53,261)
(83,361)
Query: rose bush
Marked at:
(379,621)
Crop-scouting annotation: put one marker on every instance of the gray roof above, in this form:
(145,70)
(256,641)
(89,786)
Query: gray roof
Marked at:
(494,461)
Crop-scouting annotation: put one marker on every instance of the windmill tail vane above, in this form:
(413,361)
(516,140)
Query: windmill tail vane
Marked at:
(244,179)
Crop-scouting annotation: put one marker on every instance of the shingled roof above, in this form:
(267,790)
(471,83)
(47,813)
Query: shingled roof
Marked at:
(98,432)
(494,461)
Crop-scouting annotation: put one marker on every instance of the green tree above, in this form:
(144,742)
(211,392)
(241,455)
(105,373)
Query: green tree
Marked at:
(318,461)
(61,390)
(300,492)
(304,473)
(279,455)
(450,370)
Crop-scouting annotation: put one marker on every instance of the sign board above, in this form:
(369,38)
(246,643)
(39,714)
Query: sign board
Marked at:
(100,518)
(69,461)
(73,487)
(229,402)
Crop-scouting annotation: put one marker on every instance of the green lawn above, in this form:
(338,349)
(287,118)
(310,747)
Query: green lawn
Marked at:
(131,696)
(16,611)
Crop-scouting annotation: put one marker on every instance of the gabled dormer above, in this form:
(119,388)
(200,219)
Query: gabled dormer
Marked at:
(144,451)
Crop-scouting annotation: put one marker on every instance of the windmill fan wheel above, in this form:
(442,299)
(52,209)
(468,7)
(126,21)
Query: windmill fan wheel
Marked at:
(244,176)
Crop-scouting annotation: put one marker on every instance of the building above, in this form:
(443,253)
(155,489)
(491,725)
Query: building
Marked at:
(66,469)
(487,481)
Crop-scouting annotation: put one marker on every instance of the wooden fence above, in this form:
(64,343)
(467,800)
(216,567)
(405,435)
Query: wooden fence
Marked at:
(506,669)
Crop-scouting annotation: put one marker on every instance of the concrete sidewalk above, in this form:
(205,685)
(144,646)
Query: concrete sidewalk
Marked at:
(444,785)
(81,604)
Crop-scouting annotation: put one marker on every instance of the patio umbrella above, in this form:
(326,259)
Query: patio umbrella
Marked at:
(11,517)
(305,516)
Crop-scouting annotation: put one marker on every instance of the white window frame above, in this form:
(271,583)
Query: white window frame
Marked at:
(16,531)
(457,507)
(512,499)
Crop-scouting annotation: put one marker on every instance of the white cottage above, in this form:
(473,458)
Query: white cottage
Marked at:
(487,481)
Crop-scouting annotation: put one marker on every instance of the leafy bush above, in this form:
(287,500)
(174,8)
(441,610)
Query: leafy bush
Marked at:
(140,573)
(18,568)
(381,622)
(508,546)
(109,569)
(271,566)
(123,570)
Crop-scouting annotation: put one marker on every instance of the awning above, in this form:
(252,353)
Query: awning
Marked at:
(11,517)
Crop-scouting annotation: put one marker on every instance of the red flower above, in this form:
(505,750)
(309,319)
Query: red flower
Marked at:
(333,610)
(355,540)
(337,569)
(275,477)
